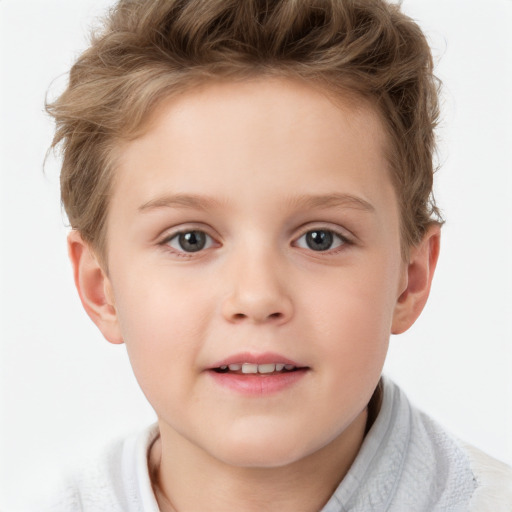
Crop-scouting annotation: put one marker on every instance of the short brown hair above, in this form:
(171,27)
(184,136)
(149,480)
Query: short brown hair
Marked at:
(148,50)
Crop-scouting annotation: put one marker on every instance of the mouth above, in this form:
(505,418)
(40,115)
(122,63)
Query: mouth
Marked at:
(257,375)
(259,369)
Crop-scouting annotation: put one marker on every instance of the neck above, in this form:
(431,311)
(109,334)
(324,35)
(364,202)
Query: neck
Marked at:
(185,478)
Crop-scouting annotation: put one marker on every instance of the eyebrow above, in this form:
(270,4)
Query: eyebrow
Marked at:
(180,201)
(302,202)
(335,200)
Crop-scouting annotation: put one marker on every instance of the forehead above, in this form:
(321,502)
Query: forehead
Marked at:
(253,147)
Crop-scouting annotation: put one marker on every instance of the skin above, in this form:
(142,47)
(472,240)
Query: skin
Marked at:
(254,165)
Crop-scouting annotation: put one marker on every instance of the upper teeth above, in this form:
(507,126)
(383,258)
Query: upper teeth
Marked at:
(258,368)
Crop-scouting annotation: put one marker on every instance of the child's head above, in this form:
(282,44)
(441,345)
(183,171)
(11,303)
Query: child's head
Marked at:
(249,174)
(364,51)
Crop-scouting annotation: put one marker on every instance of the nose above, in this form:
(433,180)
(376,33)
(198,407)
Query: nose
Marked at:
(257,291)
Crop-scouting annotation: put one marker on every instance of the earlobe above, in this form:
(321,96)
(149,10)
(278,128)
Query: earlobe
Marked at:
(420,271)
(94,287)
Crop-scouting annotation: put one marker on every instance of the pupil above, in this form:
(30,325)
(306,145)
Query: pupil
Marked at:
(192,241)
(319,240)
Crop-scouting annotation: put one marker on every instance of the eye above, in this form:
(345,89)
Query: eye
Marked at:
(321,240)
(190,241)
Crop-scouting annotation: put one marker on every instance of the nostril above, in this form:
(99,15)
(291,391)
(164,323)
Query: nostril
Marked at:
(243,316)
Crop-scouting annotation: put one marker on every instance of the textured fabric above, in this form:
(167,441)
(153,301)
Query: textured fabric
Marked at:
(494,479)
(407,463)
(118,482)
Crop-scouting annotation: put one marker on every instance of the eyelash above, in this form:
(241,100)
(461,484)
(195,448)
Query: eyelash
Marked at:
(166,242)
(343,241)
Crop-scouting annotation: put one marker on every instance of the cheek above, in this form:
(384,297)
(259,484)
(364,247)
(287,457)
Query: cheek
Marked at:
(352,313)
(164,327)
(159,306)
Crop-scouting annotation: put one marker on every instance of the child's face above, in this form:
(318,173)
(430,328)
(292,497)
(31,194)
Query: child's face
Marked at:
(256,223)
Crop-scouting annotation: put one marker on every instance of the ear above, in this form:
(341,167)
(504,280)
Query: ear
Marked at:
(94,287)
(419,274)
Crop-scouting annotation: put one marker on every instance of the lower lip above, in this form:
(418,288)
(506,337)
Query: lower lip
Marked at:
(258,384)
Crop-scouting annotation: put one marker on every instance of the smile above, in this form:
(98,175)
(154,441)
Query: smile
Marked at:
(251,368)
(257,374)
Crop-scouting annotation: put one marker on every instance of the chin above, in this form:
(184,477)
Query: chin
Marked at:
(262,451)
(261,458)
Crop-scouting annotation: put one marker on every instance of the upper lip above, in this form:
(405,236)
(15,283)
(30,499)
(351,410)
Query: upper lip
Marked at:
(253,358)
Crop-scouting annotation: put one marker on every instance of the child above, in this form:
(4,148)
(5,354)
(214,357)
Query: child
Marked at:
(250,190)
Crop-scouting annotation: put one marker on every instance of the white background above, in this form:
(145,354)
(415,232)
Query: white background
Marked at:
(65,391)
